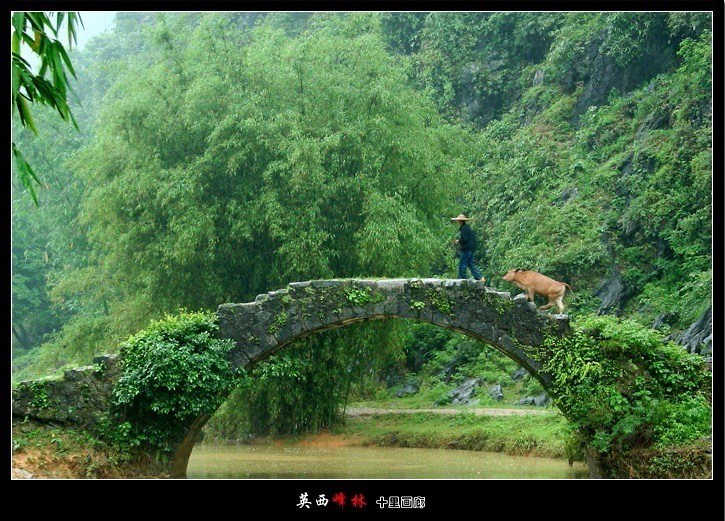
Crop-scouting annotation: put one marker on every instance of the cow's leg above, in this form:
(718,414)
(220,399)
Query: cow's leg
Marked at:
(547,306)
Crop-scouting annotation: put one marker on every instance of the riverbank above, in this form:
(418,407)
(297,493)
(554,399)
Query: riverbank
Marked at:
(355,412)
(539,433)
(49,451)
(56,452)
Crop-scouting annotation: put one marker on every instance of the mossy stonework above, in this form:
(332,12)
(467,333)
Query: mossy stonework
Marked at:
(77,397)
(278,318)
(313,306)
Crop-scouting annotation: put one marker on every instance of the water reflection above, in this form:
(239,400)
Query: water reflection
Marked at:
(235,461)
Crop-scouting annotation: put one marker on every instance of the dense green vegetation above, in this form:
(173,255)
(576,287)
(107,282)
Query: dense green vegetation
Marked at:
(173,371)
(305,387)
(223,155)
(439,360)
(622,389)
(627,191)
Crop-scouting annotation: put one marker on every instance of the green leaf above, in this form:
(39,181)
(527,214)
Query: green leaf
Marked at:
(15,47)
(39,22)
(18,22)
(26,173)
(26,118)
(15,82)
(73,19)
(43,68)
(67,61)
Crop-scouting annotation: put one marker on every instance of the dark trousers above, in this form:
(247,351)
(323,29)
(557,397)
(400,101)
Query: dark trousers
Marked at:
(467,262)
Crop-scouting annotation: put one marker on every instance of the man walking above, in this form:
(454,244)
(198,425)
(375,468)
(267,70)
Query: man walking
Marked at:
(467,241)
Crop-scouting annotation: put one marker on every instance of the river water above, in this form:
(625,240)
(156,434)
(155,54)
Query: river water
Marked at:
(255,461)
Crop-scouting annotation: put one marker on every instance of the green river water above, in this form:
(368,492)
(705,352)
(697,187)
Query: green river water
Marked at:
(254,461)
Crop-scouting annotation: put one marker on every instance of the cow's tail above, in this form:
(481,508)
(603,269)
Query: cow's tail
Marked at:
(570,290)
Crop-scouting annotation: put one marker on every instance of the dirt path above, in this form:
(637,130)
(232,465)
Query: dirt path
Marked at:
(355,412)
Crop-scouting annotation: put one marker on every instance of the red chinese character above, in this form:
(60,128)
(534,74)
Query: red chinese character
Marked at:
(339,498)
(358,501)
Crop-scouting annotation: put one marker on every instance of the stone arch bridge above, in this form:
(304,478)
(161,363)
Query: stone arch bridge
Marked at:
(278,318)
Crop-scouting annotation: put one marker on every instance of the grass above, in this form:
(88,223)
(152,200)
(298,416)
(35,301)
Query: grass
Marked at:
(535,435)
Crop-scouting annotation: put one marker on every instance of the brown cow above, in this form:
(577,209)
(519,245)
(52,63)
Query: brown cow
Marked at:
(536,283)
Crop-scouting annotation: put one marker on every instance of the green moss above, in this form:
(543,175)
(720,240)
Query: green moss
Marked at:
(279,320)
(358,297)
(501,305)
(40,395)
(439,301)
(417,305)
(377,297)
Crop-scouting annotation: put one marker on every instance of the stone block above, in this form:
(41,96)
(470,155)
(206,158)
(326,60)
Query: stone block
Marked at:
(326,283)
(389,286)
(299,287)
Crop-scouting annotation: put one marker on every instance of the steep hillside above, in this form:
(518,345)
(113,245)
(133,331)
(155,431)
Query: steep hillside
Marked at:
(593,163)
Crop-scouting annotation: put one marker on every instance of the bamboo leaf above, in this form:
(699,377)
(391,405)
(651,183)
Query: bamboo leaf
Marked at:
(26,118)
(37,44)
(42,22)
(15,81)
(18,58)
(73,120)
(73,20)
(66,59)
(26,173)
(19,22)
(36,21)
(15,49)
(24,37)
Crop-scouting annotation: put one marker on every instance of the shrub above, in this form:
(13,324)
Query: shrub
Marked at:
(623,388)
(173,371)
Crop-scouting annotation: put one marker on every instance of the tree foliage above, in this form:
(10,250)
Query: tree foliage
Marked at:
(289,160)
(622,388)
(237,161)
(40,32)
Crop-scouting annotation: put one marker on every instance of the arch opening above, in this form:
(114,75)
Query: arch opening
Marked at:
(277,319)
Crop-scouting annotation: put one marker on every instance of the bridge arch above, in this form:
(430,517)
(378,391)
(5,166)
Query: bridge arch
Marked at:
(276,319)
